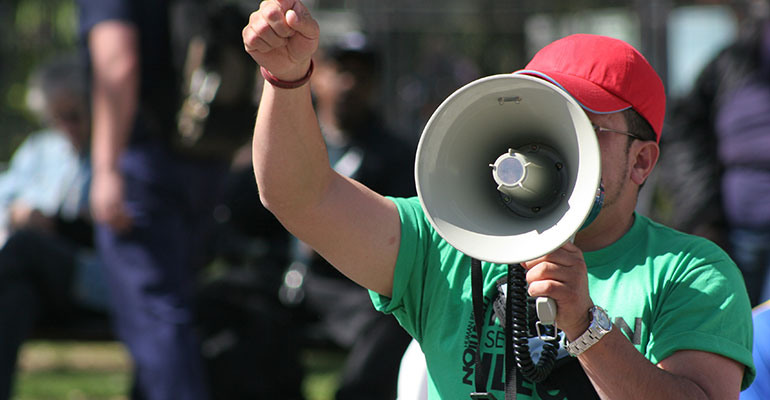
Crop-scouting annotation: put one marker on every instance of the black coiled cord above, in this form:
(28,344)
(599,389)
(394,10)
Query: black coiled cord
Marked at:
(539,372)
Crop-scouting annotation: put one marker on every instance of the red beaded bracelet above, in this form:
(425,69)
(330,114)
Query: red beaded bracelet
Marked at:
(270,78)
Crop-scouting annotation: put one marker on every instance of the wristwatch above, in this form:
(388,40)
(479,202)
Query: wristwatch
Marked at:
(600,326)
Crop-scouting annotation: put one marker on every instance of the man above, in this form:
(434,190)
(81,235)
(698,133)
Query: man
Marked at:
(152,206)
(387,245)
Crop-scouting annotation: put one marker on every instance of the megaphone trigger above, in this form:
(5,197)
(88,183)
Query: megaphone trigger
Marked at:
(546,315)
(546,310)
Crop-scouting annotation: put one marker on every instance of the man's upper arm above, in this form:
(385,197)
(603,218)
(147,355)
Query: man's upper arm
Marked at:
(718,376)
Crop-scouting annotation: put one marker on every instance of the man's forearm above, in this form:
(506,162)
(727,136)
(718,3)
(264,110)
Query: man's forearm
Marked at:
(290,160)
(352,227)
(115,90)
(618,371)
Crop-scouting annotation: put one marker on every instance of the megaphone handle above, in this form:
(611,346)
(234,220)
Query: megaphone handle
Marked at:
(546,310)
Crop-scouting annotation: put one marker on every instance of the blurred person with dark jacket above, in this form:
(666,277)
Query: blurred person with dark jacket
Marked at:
(361,146)
(152,203)
(716,158)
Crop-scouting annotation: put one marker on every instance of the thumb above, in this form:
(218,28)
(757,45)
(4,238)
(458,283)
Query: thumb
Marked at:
(300,19)
(304,42)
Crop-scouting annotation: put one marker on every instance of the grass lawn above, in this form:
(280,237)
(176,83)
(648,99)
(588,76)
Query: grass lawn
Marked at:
(100,371)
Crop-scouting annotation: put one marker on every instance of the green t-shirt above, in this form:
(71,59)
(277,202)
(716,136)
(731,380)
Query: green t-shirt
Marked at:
(665,290)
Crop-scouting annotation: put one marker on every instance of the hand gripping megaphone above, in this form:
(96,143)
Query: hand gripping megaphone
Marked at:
(508,169)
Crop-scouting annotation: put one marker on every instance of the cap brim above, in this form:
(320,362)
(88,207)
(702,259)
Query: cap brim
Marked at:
(590,96)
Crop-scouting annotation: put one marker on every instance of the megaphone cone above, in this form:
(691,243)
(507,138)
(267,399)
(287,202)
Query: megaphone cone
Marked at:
(508,168)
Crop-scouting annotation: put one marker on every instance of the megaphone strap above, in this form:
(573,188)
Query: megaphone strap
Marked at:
(480,378)
(477,293)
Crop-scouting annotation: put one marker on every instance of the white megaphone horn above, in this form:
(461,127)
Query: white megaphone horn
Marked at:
(508,168)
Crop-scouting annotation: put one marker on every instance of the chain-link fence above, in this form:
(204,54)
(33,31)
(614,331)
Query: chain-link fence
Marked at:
(428,48)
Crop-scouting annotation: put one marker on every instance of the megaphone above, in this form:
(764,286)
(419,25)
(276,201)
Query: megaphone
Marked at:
(508,168)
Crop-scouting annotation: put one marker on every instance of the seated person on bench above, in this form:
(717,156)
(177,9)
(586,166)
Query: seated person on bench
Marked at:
(48,269)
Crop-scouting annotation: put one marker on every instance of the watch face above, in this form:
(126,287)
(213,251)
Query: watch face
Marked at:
(602,319)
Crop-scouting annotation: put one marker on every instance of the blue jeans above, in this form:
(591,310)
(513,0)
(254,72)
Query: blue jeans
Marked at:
(751,251)
(151,269)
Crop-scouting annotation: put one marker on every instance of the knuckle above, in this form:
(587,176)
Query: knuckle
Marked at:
(271,12)
(542,288)
(548,286)
(248,35)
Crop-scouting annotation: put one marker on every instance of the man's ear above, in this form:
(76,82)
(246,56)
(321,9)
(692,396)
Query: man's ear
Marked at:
(645,155)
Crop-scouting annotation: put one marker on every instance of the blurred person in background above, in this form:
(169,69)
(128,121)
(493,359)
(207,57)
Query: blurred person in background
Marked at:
(324,306)
(716,158)
(42,169)
(361,146)
(278,297)
(152,203)
(48,269)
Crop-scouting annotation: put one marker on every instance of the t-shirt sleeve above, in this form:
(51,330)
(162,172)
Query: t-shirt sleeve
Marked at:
(705,308)
(409,275)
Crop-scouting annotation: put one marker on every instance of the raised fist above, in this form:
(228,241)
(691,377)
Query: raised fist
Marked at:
(281,37)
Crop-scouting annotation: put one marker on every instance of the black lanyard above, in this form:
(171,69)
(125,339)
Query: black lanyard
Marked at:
(481,376)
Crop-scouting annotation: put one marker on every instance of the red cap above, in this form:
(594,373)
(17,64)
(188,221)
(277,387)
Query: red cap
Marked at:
(604,75)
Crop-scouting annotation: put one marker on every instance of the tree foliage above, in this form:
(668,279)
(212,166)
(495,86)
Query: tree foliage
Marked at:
(430,47)
(31,32)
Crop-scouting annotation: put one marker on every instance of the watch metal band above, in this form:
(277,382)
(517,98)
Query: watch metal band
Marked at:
(596,330)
